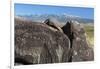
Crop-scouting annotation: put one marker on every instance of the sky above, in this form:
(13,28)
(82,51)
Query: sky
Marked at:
(32,9)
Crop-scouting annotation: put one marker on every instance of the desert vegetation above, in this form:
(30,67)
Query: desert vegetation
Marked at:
(90,34)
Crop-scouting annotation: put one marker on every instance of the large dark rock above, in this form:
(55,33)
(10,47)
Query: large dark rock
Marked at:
(37,43)
(80,51)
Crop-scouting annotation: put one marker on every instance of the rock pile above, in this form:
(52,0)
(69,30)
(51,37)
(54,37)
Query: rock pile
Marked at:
(39,43)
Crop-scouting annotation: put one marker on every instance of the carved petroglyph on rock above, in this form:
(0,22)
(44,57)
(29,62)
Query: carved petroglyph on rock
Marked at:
(40,43)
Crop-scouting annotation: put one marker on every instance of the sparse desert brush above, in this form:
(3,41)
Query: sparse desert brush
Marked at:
(90,34)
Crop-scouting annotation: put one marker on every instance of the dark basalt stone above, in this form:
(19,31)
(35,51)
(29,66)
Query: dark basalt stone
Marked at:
(36,43)
(79,46)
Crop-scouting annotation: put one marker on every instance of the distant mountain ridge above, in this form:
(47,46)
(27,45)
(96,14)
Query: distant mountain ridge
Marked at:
(63,18)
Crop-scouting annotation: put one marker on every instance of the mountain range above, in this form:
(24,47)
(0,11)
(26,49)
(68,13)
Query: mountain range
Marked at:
(63,18)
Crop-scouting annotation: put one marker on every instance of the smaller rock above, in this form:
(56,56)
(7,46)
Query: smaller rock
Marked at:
(53,23)
(79,46)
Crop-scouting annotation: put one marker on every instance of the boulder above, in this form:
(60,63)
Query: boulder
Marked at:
(37,43)
(79,46)
(53,23)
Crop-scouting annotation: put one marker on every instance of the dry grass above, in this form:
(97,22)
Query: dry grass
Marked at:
(90,34)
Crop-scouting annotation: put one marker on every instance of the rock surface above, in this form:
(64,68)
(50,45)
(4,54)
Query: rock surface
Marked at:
(37,43)
(53,23)
(79,46)
(40,43)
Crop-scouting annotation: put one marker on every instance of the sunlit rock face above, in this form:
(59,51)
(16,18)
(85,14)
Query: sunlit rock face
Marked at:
(53,23)
(37,43)
(47,42)
(79,46)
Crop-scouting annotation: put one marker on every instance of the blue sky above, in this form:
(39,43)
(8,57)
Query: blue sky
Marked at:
(29,9)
